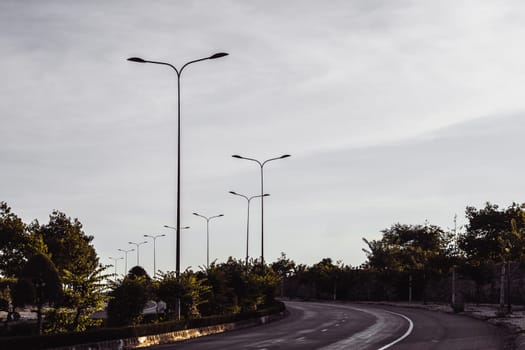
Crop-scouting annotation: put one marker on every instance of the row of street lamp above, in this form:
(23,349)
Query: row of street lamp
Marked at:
(178,206)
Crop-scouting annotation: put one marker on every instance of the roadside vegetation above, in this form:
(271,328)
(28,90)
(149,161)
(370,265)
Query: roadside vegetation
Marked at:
(482,262)
(54,269)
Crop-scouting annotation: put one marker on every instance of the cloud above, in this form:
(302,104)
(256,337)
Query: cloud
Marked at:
(392,111)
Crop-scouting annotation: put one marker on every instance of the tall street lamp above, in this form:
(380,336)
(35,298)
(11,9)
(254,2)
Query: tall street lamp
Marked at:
(248,199)
(126,256)
(154,253)
(179,72)
(208,235)
(261,165)
(115,264)
(138,249)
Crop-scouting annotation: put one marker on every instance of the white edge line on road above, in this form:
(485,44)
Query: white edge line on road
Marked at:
(407,333)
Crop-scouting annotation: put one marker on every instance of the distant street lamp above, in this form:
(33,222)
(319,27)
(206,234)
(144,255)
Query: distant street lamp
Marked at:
(248,199)
(208,235)
(261,164)
(154,253)
(179,72)
(115,264)
(138,249)
(126,256)
(174,228)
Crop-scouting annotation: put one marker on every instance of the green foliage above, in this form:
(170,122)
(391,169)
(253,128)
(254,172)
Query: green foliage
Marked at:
(284,267)
(221,298)
(38,283)
(190,289)
(84,293)
(6,286)
(42,274)
(408,248)
(63,320)
(494,233)
(13,242)
(69,247)
(127,300)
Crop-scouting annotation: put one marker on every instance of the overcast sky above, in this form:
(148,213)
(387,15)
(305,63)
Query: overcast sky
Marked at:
(393,111)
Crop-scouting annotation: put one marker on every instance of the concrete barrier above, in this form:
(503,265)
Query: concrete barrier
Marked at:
(171,337)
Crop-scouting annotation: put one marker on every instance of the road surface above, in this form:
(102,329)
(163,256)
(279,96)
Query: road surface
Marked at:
(329,326)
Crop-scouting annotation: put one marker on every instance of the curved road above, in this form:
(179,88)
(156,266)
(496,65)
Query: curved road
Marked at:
(329,326)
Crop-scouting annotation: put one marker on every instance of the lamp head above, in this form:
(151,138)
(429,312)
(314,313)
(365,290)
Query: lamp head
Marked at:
(136,59)
(266,195)
(218,55)
(232,192)
(285,156)
(237,156)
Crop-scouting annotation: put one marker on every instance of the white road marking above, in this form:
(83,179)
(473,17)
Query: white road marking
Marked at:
(384,326)
(407,333)
(324,330)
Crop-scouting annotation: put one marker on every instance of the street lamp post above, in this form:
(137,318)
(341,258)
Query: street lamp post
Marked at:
(154,252)
(208,235)
(179,72)
(261,165)
(126,256)
(178,299)
(115,264)
(138,249)
(248,199)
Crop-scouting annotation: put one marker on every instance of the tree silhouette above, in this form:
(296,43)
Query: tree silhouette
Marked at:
(38,284)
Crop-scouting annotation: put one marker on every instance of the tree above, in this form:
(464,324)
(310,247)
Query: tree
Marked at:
(69,247)
(325,274)
(410,249)
(127,302)
(284,267)
(493,235)
(85,294)
(38,283)
(75,257)
(13,242)
(189,288)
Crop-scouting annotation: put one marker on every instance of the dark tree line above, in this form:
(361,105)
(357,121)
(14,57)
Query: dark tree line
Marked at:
(55,269)
(417,262)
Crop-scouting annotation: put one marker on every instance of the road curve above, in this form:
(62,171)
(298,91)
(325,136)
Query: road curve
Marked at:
(328,326)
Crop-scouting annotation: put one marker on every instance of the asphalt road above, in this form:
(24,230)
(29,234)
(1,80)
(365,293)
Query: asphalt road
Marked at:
(329,326)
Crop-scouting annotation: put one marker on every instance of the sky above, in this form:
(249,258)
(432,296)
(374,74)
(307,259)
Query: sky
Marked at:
(393,111)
